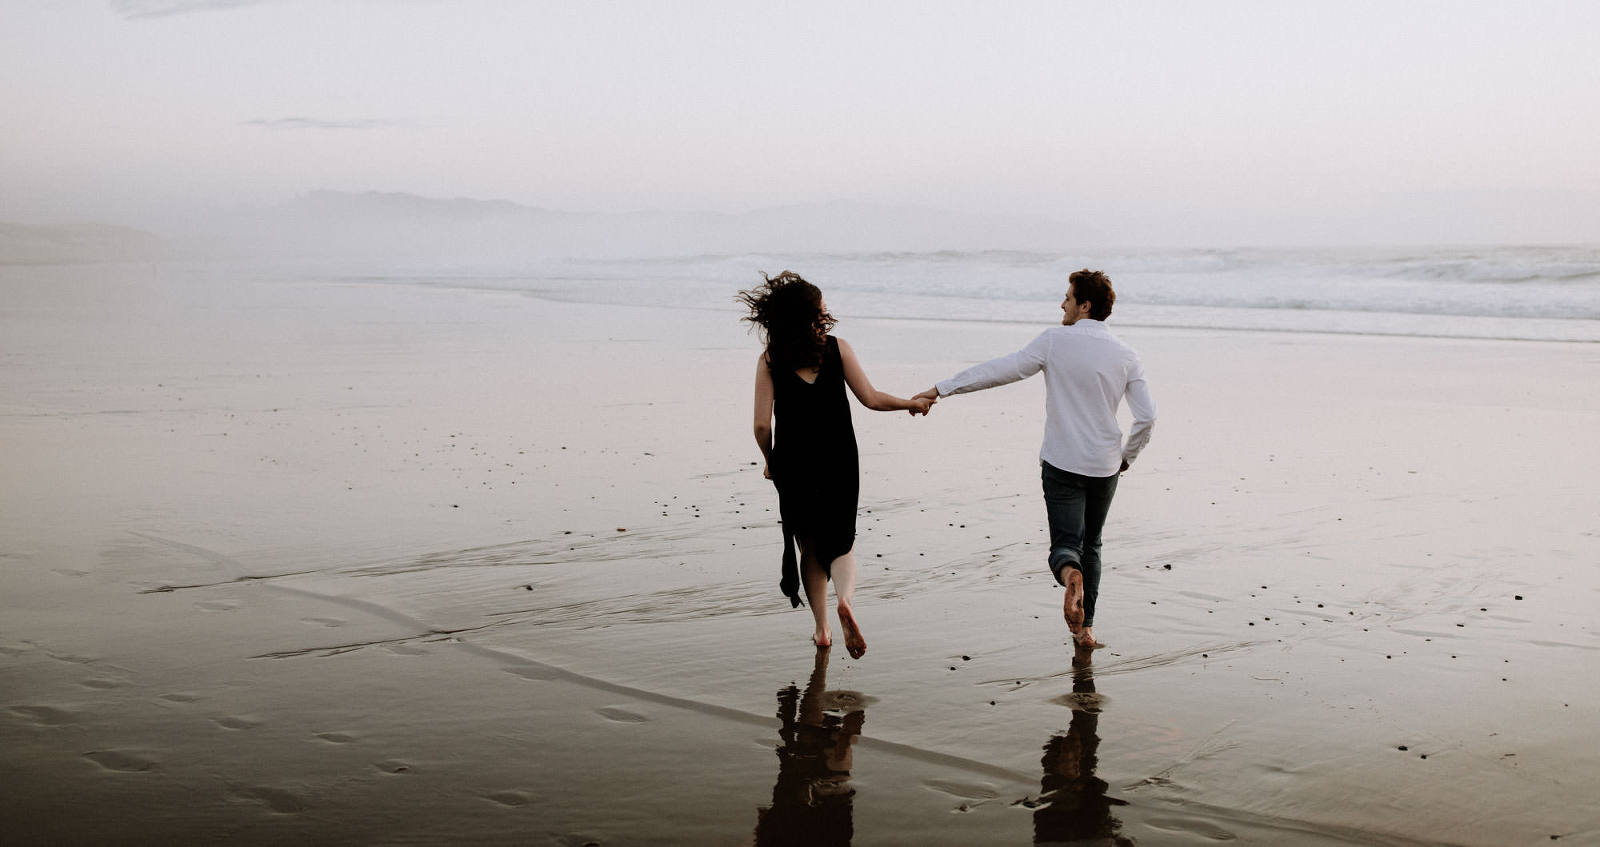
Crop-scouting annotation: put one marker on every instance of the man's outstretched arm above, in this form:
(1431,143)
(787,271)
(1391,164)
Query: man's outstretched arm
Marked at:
(1006,369)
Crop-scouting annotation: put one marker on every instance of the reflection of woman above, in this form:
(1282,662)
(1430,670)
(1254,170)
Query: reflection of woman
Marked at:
(811,801)
(801,376)
(1073,807)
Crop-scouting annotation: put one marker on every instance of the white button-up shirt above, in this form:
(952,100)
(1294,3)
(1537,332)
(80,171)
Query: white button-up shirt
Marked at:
(1087,372)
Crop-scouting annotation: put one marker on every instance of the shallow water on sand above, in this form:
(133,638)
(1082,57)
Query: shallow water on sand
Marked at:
(351,564)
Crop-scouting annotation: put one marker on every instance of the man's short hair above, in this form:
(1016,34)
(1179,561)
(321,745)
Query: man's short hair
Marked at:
(1094,288)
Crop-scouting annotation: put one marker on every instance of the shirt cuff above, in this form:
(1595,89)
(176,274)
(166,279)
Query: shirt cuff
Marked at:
(945,387)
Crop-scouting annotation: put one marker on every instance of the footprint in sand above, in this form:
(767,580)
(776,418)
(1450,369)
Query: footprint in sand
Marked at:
(612,713)
(337,737)
(103,682)
(1191,826)
(237,722)
(72,659)
(328,622)
(122,761)
(181,697)
(45,715)
(276,799)
(217,605)
(963,790)
(509,798)
(392,766)
(971,794)
(534,673)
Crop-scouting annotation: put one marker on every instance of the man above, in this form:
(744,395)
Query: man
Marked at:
(1087,372)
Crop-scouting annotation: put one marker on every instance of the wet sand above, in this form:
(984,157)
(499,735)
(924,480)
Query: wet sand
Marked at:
(354,563)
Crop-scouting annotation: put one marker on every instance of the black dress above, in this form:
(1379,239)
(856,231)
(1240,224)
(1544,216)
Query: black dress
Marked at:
(814,465)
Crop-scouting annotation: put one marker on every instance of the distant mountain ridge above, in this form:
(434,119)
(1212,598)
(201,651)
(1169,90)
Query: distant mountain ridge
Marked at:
(29,244)
(401,226)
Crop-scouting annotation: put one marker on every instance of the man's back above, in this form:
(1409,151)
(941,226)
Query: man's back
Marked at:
(1087,373)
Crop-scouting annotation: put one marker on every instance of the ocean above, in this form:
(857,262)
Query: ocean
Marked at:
(1513,293)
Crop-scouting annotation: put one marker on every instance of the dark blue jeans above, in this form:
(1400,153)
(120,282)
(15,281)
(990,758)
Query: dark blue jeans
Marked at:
(1076,506)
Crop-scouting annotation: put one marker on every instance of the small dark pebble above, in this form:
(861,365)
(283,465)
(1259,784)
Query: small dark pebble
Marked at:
(1518,596)
(529,587)
(966,658)
(1404,747)
(1252,623)
(1424,755)
(1167,566)
(991,702)
(952,667)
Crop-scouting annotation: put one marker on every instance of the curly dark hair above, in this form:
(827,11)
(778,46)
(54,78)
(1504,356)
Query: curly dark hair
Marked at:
(793,323)
(1094,288)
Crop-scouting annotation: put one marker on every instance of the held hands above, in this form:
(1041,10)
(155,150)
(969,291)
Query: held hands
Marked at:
(924,401)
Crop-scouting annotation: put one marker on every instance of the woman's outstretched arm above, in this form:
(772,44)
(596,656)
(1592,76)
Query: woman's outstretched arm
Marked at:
(764,413)
(872,398)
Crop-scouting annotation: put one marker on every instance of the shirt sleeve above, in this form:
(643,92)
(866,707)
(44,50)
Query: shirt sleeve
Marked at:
(1144,413)
(1016,366)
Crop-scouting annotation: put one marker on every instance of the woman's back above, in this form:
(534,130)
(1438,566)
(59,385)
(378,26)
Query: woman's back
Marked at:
(814,432)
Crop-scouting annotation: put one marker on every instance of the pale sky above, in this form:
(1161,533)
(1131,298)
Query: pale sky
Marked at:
(1156,116)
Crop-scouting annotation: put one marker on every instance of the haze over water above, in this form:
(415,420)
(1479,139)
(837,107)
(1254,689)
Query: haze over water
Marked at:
(375,410)
(1240,123)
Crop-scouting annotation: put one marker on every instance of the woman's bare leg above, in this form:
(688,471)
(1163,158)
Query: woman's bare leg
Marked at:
(844,589)
(816,584)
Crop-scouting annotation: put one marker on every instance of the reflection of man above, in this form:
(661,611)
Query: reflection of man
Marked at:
(812,799)
(1073,807)
(1087,372)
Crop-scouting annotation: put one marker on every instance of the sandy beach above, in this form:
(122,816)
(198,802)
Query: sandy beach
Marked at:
(346,562)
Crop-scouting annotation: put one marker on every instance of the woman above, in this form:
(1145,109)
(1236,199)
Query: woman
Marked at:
(801,376)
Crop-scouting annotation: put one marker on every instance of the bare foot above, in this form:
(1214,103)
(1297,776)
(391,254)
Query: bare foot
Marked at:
(823,639)
(1086,640)
(852,633)
(1072,603)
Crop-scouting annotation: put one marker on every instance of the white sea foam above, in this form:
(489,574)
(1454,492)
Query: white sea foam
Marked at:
(1537,293)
